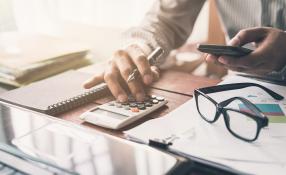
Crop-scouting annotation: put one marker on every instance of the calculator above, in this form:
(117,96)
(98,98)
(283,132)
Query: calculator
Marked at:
(115,115)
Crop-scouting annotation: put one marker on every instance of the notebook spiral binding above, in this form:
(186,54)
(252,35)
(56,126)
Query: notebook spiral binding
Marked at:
(77,100)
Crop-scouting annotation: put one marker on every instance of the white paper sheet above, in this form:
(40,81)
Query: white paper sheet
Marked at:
(194,136)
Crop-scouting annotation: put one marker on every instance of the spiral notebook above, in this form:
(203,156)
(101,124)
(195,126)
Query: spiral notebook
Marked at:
(56,94)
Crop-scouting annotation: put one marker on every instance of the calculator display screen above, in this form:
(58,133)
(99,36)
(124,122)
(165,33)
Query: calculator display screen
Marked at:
(109,114)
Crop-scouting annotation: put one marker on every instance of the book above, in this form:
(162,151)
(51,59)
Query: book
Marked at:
(25,57)
(56,94)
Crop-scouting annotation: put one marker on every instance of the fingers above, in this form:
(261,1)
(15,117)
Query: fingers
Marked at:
(246,62)
(212,59)
(156,73)
(258,70)
(242,63)
(97,79)
(265,58)
(253,63)
(112,80)
(125,67)
(235,41)
(118,70)
(141,62)
(248,35)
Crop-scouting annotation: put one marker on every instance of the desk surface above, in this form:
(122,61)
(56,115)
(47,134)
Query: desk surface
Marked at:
(176,87)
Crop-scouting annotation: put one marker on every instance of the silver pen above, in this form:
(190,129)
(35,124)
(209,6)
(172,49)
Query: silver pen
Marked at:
(152,59)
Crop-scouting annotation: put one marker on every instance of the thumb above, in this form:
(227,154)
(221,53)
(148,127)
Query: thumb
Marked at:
(248,35)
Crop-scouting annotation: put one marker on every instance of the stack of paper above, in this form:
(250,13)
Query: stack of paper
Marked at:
(193,136)
(25,58)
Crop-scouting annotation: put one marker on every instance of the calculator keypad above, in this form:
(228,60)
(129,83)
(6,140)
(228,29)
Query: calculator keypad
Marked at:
(125,113)
(136,106)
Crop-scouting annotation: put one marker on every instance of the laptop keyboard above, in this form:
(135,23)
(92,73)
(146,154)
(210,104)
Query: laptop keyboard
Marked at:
(7,170)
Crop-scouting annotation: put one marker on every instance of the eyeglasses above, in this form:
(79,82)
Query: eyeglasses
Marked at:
(241,124)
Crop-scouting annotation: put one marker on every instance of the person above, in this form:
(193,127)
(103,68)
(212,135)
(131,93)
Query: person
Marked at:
(169,23)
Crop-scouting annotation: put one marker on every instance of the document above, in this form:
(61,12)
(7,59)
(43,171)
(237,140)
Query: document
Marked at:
(193,136)
(28,57)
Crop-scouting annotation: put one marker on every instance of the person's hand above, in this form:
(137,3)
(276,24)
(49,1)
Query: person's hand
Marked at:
(118,69)
(269,55)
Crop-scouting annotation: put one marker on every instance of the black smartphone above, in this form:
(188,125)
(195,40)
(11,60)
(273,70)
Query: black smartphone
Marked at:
(233,51)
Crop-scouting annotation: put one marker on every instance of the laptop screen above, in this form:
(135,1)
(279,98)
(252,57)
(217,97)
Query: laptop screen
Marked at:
(76,149)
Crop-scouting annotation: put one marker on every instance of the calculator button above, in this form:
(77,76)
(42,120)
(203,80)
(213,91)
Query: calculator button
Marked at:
(155,101)
(132,105)
(139,102)
(148,104)
(135,109)
(159,98)
(153,96)
(141,107)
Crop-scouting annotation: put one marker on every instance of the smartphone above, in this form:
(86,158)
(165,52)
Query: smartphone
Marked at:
(233,51)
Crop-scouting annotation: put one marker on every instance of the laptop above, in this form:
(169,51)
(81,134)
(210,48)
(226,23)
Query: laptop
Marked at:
(34,143)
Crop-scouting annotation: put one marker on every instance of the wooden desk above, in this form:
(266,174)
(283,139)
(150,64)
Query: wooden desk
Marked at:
(176,87)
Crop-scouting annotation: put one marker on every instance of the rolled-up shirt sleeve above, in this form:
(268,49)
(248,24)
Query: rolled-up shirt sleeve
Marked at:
(167,24)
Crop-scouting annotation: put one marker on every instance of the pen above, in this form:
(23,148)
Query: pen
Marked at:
(152,59)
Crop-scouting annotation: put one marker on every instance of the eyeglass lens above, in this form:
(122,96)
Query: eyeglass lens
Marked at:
(206,108)
(240,124)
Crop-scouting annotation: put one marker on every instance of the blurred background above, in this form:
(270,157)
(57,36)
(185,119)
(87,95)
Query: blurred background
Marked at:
(99,23)
(46,15)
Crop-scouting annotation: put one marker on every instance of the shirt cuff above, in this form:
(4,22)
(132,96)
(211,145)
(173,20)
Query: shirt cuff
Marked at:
(146,49)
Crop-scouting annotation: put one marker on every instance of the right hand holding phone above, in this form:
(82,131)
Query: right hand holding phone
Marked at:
(268,56)
(118,69)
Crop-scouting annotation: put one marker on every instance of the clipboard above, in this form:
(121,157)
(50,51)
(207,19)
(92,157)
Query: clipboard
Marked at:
(157,133)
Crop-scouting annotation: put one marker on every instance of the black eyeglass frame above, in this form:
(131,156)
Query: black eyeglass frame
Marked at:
(259,117)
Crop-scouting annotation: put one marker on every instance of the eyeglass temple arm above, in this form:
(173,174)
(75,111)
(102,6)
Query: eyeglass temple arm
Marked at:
(233,86)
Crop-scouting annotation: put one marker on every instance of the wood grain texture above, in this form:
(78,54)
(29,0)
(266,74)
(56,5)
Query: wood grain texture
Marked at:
(181,82)
(177,87)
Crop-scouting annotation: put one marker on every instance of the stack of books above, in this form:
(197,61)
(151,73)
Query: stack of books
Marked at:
(25,58)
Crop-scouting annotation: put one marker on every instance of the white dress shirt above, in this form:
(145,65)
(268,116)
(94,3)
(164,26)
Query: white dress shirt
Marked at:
(169,23)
